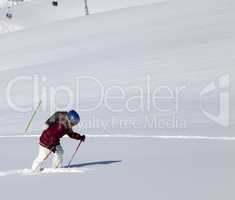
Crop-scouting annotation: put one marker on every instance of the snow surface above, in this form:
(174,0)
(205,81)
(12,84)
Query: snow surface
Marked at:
(174,43)
(28,172)
(38,12)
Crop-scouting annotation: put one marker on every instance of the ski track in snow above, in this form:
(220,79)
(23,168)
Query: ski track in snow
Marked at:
(8,27)
(28,172)
(165,137)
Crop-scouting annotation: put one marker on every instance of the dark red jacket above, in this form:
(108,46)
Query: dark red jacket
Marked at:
(50,137)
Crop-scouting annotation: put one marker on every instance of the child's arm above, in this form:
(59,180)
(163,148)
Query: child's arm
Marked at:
(75,135)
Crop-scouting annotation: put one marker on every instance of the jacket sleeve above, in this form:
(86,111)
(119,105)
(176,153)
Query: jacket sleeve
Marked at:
(73,134)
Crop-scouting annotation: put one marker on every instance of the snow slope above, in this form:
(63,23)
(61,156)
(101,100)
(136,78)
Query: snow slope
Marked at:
(38,12)
(176,47)
(174,44)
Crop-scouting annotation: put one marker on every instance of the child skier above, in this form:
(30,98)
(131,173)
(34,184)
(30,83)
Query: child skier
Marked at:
(59,124)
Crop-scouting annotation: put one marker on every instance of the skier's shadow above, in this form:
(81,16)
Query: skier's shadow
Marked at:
(106,162)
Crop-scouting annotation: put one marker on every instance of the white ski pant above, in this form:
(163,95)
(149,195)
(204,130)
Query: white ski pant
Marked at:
(43,154)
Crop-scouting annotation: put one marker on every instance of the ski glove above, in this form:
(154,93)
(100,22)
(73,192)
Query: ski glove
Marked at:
(53,149)
(83,138)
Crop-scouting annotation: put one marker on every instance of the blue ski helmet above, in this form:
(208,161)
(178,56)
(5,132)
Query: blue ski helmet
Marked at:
(73,117)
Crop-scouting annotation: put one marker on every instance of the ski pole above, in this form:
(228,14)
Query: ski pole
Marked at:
(47,155)
(31,119)
(74,154)
(45,158)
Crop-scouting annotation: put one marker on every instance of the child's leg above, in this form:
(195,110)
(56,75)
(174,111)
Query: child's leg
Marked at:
(58,157)
(42,154)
